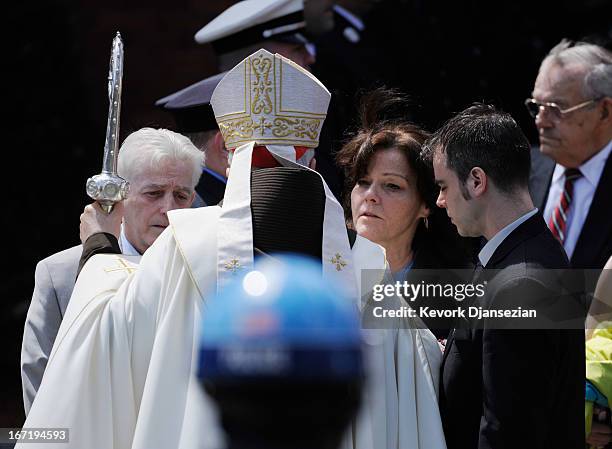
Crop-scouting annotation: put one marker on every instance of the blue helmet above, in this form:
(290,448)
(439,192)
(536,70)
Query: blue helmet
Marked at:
(281,321)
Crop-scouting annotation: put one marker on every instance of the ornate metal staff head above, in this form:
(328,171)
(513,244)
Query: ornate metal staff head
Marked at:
(108,188)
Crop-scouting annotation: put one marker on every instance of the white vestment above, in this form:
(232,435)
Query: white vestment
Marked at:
(122,370)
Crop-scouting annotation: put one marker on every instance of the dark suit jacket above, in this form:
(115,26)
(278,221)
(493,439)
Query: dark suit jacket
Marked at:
(594,245)
(510,388)
(210,191)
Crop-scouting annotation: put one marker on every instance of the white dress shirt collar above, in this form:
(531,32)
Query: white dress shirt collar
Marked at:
(487,251)
(591,170)
(582,197)
(127,249)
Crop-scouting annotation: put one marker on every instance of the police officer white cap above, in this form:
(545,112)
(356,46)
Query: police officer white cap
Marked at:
(251,21)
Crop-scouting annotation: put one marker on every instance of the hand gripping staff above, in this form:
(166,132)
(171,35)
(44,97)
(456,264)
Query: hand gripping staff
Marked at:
(108,188)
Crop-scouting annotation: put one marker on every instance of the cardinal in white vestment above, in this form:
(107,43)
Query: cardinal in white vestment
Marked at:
(122,370)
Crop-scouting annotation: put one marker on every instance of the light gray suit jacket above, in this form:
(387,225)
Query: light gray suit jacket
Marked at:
(53,284)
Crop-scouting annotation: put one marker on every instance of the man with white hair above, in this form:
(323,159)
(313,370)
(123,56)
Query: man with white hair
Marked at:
(194,118)
(571,176)
(278,26)
(162,168)
(124,372)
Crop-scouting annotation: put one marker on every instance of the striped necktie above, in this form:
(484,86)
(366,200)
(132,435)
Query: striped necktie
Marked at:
(558,219)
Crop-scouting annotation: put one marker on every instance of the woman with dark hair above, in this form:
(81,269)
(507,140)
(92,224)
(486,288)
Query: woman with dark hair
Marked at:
(391,196)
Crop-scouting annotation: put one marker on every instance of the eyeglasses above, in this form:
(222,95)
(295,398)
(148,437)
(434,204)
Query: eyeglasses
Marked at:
(534,107)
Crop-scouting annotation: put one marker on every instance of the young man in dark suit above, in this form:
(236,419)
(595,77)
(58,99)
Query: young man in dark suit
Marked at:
(572,109)
(505,388)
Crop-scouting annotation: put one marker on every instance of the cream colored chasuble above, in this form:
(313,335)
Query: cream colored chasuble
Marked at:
(122,371)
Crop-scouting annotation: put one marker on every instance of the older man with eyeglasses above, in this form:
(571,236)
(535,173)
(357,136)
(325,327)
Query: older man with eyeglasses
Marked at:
(571,178)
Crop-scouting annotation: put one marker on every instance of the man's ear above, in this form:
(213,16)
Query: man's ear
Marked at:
(219,142)
(606,111)
(477,182)
(229,155)
(313,164)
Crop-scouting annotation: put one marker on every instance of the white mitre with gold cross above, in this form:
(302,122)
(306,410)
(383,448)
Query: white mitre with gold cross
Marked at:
(269,107)
(270,100)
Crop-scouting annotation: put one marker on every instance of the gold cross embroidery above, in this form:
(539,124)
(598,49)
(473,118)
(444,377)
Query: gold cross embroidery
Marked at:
(233,265)
(337,260)
(122,267)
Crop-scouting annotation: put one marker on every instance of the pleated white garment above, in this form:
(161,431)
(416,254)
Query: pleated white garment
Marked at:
(122,371)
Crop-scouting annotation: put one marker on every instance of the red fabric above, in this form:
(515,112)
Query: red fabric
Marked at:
(262,158)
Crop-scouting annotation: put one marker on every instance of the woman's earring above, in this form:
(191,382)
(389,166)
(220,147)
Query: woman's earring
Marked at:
(426,222)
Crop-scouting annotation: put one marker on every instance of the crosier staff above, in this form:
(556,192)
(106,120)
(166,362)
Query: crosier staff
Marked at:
(108,188)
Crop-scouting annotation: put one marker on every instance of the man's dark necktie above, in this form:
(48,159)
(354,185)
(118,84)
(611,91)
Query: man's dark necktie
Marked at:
(478,269)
